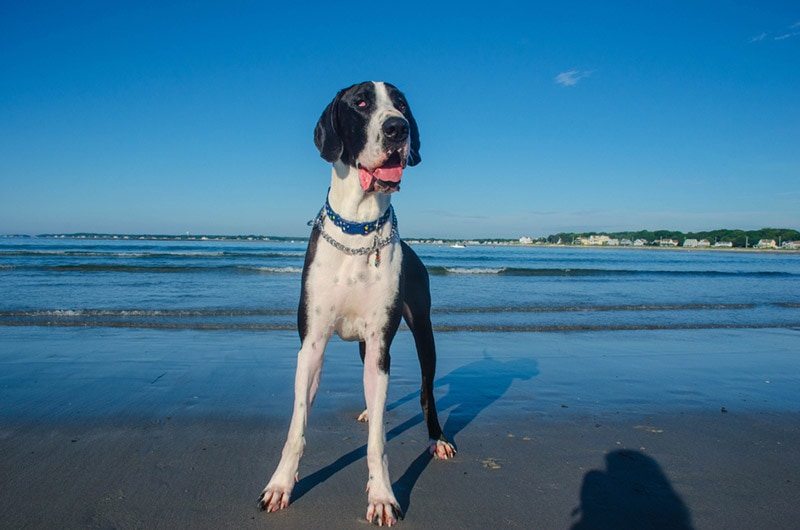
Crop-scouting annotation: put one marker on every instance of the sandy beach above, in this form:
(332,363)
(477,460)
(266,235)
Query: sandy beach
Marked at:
(143,428)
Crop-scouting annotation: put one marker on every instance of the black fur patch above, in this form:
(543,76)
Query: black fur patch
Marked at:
(302,308)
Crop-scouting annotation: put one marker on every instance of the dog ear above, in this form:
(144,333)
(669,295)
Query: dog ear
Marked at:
(413,154)
(326,137)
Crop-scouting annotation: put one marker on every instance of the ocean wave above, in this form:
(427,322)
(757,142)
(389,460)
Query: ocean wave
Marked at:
(146,313)
(277,270)
(160,268)
(149,254)
(109,267)
(470,270)
(290,263)
(577,272)
(596,308)
(236,312)
(621,327)
(439,328)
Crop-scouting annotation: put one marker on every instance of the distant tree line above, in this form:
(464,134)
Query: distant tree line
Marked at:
(167,237)
(739,238)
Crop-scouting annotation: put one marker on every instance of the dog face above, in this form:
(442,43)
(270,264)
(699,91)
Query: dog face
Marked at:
(369,126)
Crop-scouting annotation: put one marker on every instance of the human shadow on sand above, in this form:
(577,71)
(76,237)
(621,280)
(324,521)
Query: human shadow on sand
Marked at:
(632,493)
(471,389)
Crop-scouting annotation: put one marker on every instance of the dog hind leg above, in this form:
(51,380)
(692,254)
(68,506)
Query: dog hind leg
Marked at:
(417,314)
(422,330)
(362,351)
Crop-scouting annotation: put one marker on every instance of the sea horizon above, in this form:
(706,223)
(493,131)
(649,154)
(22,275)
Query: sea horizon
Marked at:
(523,241)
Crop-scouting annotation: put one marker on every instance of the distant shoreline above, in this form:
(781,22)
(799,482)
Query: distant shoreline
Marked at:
(490,242)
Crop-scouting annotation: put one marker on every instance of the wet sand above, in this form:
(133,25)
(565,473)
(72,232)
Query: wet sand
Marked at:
(116,428)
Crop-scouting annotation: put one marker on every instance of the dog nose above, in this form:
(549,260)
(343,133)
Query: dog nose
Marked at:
(395,128)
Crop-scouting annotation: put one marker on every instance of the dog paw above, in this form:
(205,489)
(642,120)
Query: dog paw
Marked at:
(274,498)
(442,449)
(363,418)
(384,513)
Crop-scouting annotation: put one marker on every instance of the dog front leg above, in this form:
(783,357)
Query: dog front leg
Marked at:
(278,491)
(383,507)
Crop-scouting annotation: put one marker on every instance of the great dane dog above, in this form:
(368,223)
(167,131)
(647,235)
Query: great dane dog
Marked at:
(359,278)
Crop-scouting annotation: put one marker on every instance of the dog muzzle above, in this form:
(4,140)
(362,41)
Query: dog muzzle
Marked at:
(384,179)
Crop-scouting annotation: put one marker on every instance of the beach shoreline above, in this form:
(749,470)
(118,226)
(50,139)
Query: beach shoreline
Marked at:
(414,241)
(181,429)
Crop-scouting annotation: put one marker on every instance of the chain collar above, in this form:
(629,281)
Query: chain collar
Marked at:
(377,243)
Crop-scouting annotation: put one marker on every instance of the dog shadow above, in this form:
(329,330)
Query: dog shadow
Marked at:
(633,492)
(471,389)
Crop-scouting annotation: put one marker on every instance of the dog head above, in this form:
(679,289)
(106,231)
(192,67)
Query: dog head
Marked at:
(369,126)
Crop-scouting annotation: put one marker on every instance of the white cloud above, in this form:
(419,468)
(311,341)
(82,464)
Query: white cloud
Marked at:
(571,77)
(787,35)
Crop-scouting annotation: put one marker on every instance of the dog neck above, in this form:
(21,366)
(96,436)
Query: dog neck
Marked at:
(350,201)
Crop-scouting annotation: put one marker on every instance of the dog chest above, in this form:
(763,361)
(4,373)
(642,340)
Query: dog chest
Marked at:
(349,294)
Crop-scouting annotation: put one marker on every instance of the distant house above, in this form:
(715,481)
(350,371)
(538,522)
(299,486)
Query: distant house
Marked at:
(723,244)
(791,245)
(694,243)
(640,243)
(766,243)
(667,243)
(593,240)
(525,240)
(625,242)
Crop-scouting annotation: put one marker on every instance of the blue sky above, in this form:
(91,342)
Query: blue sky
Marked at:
(535,118)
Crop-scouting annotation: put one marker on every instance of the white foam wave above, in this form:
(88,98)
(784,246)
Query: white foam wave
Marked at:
(280,270)
(474,270)
(61,313)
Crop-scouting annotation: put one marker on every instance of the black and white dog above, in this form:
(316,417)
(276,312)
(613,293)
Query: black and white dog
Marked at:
(359,279)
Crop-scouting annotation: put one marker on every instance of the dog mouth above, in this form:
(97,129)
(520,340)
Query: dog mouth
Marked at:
(385,178)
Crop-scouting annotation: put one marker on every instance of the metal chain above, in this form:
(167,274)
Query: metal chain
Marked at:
(359,251)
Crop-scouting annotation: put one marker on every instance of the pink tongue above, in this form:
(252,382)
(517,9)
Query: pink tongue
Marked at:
(386,174)
(365,177)
(389,174)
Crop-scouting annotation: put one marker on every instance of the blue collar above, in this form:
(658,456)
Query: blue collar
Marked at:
(349,227)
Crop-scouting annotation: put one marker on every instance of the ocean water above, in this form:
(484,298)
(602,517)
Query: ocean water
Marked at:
(256,284)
